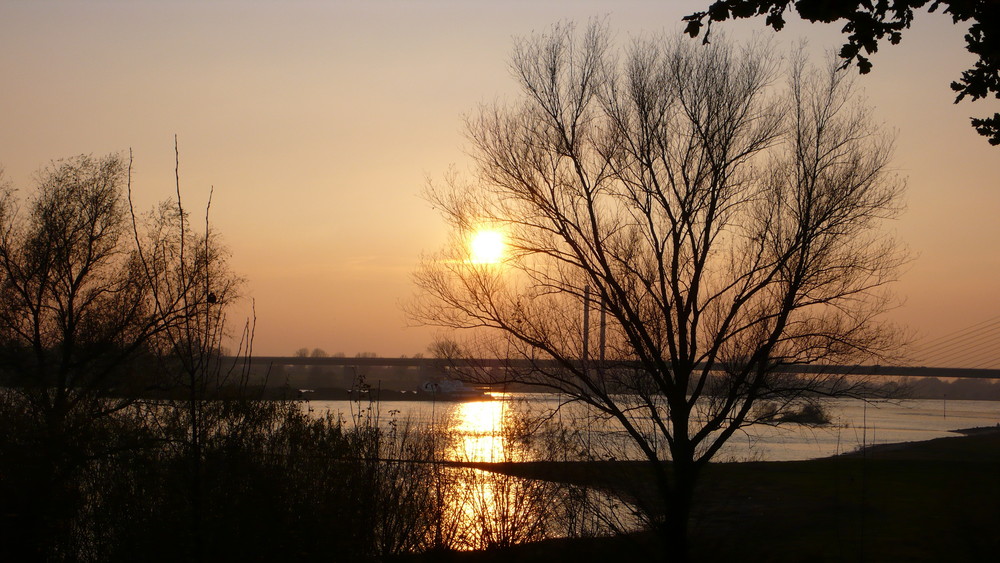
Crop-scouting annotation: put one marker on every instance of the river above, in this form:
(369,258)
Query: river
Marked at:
(490,430)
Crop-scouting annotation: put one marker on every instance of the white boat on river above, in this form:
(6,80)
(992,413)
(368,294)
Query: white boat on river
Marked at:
(453,390)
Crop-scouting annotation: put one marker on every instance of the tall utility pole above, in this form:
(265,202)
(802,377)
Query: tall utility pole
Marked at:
(602,330)
(586,325)
(603,333)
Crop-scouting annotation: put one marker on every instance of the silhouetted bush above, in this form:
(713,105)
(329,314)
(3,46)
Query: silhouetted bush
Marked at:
(275,484)
(809,414)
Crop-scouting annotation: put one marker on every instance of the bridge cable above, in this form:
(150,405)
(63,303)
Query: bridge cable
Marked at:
(971,346)
(969,342)
(944,341)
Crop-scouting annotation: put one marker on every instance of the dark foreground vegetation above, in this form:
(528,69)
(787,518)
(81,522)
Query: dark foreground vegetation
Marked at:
(277,483)
(270,483)
(237,477)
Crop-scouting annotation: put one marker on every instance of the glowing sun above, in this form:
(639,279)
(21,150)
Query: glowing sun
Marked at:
(487,247)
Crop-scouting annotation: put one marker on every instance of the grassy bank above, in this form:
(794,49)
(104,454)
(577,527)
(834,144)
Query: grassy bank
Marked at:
(937,500)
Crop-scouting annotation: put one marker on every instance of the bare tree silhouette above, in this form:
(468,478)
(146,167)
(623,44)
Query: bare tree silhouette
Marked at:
(89,299)
(714,227)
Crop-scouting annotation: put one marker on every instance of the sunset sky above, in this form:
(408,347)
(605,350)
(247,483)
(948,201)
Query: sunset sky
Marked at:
(318,124)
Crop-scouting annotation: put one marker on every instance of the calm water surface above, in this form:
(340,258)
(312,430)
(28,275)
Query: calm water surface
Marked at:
(483,429)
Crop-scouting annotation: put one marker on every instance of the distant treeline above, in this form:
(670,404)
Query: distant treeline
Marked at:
(958,389)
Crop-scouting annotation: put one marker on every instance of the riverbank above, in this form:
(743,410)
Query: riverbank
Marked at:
(935,500)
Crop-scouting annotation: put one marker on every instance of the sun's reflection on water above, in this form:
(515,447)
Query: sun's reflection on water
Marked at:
(469,506)
(478,430)
(491,509)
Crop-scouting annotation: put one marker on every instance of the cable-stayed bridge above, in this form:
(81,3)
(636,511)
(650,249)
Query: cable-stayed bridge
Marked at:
(976,346)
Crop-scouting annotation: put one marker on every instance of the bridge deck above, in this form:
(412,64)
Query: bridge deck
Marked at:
(431,363)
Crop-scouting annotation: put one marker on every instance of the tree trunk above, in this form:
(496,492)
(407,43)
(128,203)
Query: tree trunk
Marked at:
(676,545)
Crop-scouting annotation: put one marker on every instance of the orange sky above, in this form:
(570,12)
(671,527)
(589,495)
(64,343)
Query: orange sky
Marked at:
(318,123)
